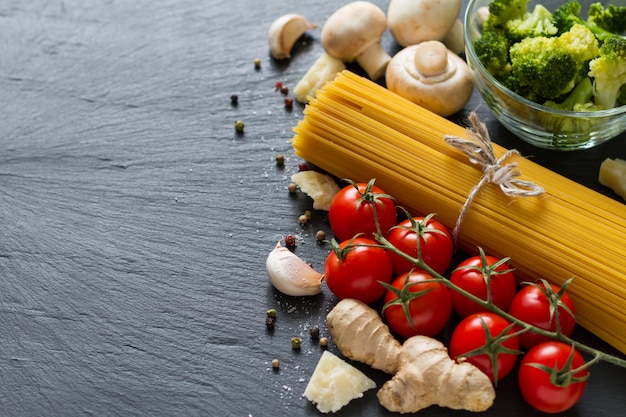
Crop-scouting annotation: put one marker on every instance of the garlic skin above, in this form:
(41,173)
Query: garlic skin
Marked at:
(290,275)
(285,31)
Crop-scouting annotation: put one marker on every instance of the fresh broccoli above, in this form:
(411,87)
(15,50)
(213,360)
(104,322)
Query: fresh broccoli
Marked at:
(550,67)
(536,23)
(492,49)
(579,99)
(611,18)
(568,14)
(608,71)
(501,11)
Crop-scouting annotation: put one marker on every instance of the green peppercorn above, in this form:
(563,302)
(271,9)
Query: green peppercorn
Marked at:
(239,125)
(296,342)
(271,312)
(280,159)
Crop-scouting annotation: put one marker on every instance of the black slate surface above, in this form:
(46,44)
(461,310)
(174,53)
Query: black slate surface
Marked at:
(135,222)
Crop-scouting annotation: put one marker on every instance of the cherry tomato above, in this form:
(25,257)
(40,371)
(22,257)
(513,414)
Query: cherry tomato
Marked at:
(417,295)
(535,381)
(352,211)
(479,333)
(532,305)
(471,274)
(353,270)
(435,242)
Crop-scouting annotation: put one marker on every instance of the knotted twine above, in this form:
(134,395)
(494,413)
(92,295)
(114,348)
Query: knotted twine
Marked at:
(479,150)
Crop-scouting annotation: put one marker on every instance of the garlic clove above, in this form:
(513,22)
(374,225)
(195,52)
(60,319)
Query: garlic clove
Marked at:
(290,275)
(285,31)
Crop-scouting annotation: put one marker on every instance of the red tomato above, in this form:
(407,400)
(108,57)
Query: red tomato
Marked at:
(470,276)
(532,305)
(427,303)
(536,385)
(352,270)
(352,211)
(470,335)
(435,242)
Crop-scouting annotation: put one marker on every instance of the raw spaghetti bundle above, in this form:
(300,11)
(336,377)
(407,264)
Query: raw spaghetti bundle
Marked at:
(359,130)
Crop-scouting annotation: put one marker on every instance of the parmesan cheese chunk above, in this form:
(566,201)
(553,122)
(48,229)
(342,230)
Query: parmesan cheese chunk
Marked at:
(320,187)
(335,383)
(613,175)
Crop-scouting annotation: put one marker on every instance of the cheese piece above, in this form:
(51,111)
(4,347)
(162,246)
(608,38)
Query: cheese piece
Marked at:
(325,69)
(613,175)
(320,187)
(335,383)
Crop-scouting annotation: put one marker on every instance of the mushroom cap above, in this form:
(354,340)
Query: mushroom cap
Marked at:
(442,93)
(352,29)
(413,21)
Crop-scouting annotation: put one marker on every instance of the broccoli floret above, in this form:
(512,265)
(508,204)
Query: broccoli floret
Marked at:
(492,49)
(501,11)
(551,66)
(579,99)
(536,23)
(568,14)
(611,18)
(608,71)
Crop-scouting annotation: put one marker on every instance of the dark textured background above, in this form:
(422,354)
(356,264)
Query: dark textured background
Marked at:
(134,222)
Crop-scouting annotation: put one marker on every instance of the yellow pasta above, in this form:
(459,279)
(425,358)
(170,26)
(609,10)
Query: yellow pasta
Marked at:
(357,129)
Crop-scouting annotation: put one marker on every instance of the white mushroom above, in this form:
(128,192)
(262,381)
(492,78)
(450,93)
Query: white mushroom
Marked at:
(354,32)
(413,21)
(432,76)
(455,38)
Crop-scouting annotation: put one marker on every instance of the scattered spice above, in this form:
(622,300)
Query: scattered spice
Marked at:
(290,241)
(271,313)
(296,342)
(280,160)
(284,90)
(239,126)
(269,322)
(314,332)
(288,102)
(320,235)
(275,363)
(308,214)
(292,187)
(278,85)
(302,166)
(303,220)
(234,99)
(323,342)
(257,63)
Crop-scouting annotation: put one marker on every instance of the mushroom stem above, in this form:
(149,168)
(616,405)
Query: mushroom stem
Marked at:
(374,60)
(431,61)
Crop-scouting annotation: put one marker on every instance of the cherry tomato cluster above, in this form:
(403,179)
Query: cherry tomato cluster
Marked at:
(362,216)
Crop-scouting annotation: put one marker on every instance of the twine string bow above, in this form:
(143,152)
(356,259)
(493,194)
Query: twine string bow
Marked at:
(480,152)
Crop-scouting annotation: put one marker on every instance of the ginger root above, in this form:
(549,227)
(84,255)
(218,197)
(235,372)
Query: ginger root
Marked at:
(424,373)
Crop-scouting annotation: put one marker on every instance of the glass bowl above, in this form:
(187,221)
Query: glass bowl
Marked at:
(536,124)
